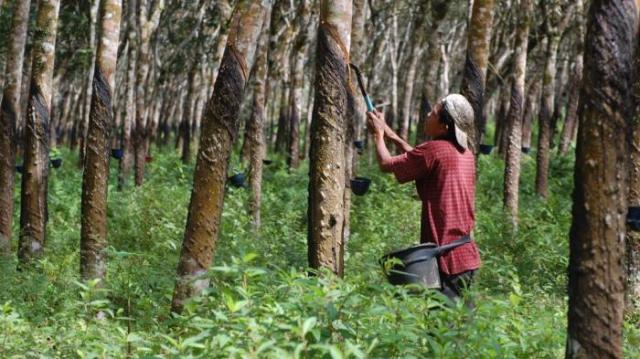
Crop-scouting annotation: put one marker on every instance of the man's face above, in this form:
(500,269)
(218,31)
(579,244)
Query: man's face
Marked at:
(433,127)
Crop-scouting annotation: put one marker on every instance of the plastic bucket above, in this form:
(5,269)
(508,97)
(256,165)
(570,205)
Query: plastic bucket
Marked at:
(359,144)
(20,168)
(267,162)
(360,185)
(413,265)
(526,150)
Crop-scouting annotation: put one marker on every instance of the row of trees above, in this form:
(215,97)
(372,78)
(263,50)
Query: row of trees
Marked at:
(195,89)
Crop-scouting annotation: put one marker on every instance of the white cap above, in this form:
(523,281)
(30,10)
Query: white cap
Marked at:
(461,112)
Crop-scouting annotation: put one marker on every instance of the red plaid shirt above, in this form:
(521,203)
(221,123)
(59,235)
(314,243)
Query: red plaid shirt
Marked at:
(445,180)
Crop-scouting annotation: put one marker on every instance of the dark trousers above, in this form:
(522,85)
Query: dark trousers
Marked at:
(454,286)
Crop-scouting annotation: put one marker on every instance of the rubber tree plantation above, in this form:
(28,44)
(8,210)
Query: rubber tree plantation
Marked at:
(320,179)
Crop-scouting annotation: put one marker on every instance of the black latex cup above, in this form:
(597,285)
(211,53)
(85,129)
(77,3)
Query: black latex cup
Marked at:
(633,218)
(359,144)
(526,150)
(360,185)
(56,162)
(486,149)
(117,153)
(237,180)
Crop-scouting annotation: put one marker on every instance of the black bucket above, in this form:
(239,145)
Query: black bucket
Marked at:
(359,144)
(414,265)
(117,153)
(526,150)
(486,149)
(360,185)
(267,162)
(633,218)
(419,264)
(56,162)
(20,168)
(237,180)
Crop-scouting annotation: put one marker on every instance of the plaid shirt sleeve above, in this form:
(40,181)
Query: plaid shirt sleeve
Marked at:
(410,166)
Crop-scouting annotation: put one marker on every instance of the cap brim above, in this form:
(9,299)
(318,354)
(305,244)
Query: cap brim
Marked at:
(461,137)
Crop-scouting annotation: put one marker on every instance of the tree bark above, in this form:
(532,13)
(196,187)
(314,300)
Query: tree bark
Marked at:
(255,138)
(632,260)
(572,107)
(530,110)
(327,166)
(297,83)
(475,68)
(33,200)
(514,120)
(555,28)
(124,167)
(83,120)
(9,115)
(93,234)
(187,114)
(224,8)
(409,80)
(596,252)
(147,25)
(357,56)
(430,94)
(219,130)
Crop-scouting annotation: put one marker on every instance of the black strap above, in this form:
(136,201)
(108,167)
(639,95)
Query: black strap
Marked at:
(438,251)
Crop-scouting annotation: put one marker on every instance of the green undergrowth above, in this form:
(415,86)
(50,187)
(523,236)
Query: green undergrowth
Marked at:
(263,303)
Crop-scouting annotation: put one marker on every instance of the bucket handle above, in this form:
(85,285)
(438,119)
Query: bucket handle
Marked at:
(438,251)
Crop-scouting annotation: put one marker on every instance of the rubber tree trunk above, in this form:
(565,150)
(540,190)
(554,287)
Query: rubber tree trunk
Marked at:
(546,110)
(409,80)
(357,56)
(559,101)
(501,136)
(9,114)
(571,118)
(185,125)
(596,251)
(297,83)
(327,166)
(223,9)
(86,106)
(147,25)
(219,130)
(95,178)
(429,95)
(475,67)
(355,115)
(256,141)
(633,236)
(282,133)
(33,199)
(555,28)
(513,128)
(124,167)
(391,115)
(530,110)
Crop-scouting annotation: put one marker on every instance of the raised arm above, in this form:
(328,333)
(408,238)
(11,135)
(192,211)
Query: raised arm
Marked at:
(378,128)
(402,144)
